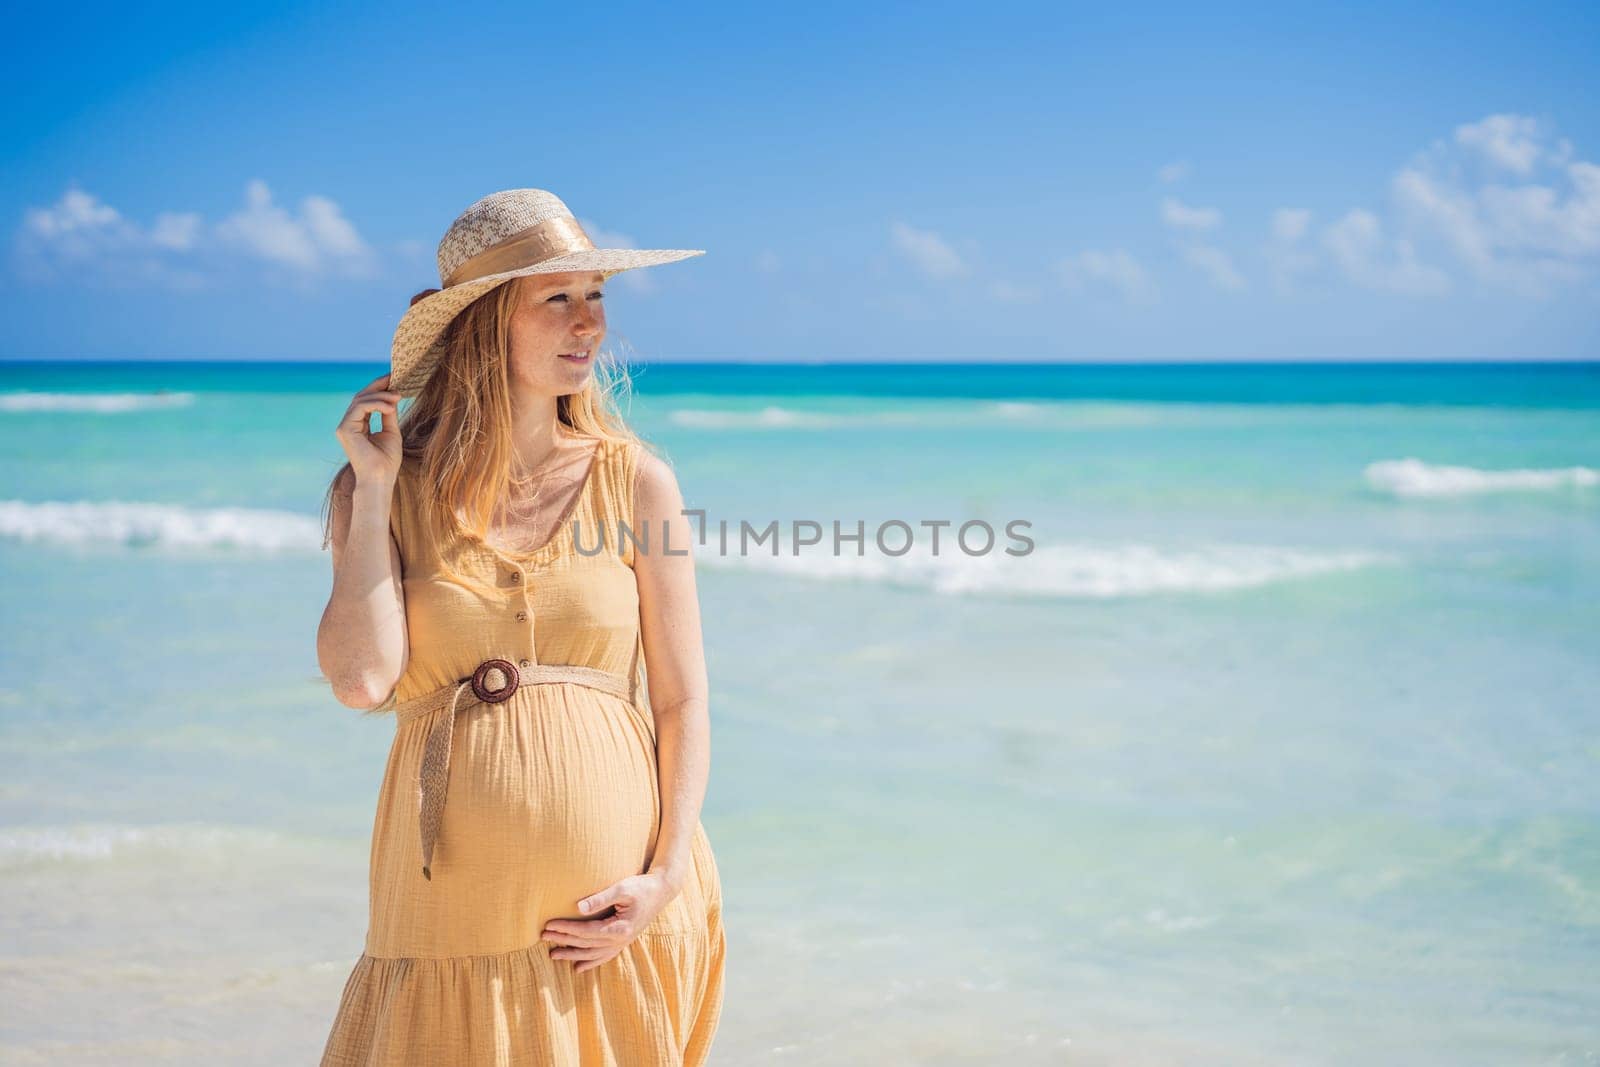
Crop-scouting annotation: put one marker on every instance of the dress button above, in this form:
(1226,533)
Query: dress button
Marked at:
(524,662)
(516,576)
(522,616)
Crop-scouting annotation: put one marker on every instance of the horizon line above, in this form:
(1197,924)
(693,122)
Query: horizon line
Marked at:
(868,362)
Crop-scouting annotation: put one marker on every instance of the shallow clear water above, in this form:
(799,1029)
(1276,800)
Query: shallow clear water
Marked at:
(1280,746)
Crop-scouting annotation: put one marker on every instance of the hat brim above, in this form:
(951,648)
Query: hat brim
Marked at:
(419,338)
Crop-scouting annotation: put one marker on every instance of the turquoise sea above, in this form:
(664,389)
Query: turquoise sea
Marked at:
(1281,746)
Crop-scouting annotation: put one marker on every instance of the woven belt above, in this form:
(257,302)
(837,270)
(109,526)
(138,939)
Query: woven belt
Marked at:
(434,774)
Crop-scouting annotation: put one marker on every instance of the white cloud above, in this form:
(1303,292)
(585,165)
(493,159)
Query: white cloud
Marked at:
(1538,219)
(330,229)
(1116,269)
(81,236)
(1527,222)
(1287,253)
(1290,224)
(76,212)
(928,252)
(1372,259)
(1215,264)
(1183,217)
(177,231)
(319,240)
(1526,236)
(1509,141)
(1210,260)
(1446,209)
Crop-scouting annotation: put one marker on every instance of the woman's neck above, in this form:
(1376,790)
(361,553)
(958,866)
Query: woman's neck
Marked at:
(537,433)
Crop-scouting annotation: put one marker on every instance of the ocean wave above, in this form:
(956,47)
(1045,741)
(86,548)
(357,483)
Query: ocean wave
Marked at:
(769,417)
(1071,571)
(158,525)
(1064,415)
(93,403)
(1061,570)
(1015,409)
(90,843)
(1413,477)
(1079,414)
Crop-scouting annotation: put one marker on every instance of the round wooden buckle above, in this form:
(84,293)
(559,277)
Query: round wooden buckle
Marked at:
(495,696)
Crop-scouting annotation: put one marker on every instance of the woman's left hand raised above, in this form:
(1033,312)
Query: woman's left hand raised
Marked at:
(637,899)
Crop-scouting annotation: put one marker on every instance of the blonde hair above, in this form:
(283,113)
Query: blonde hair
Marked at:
(459,427)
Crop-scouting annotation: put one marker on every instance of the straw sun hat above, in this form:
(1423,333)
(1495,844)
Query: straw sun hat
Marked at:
(503,236)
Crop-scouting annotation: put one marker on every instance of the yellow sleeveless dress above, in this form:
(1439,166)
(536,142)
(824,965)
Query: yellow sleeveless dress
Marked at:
(552,795)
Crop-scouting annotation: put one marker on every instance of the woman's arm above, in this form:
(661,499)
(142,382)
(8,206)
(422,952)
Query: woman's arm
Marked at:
(669,620)
(361,641)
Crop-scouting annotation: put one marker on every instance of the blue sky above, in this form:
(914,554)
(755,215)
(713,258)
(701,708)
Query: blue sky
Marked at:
(930,181)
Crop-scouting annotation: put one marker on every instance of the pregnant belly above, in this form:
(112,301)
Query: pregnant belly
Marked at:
(552,797)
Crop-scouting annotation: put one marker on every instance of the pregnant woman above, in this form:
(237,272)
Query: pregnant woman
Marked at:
(542,891)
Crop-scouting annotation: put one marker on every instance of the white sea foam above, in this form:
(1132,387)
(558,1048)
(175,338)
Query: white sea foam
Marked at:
(88,843)
(93,403)
(1413,477)
(1067,415)
(1015,409)
(158,525)
(1083,414)
(769,417)
(1064,570)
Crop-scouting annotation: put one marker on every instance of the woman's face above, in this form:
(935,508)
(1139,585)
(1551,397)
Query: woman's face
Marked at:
(558,324)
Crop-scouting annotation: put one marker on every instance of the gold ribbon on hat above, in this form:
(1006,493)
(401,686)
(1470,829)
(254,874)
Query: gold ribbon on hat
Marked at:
(545,240)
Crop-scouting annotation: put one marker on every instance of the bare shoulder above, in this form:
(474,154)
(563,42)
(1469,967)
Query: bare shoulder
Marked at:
(655,487)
